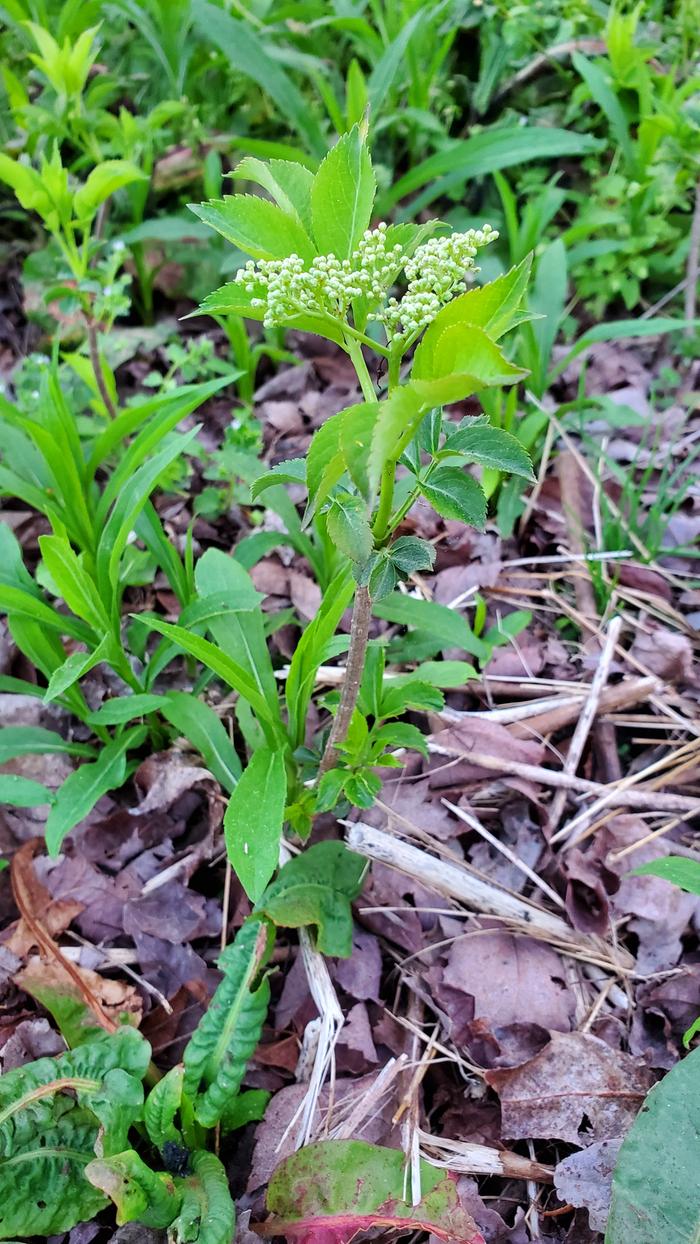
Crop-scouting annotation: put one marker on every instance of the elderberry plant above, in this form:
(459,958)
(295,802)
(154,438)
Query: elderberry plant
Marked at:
(396,298)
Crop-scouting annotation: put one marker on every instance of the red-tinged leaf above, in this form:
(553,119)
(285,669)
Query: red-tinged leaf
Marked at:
(335,1190)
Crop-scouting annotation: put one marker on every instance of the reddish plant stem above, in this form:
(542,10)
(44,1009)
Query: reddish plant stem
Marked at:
(359,634)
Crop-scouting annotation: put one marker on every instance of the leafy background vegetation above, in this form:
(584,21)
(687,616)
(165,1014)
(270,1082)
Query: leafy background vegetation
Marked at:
(150,151)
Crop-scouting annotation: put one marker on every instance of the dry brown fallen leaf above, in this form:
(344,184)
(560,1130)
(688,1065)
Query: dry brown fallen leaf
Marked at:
(114,996)
(584,1180)
(576,1089)
(510,979)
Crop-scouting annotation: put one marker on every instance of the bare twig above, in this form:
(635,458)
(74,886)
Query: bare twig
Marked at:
(472,1159)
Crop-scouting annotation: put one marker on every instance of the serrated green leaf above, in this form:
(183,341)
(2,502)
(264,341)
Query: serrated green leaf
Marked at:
(234,299)
(397,421)
(292,471)
(409,554)
(495,307)
(316,888)
(342,196)
(452,363)
(325,463)
(454,494)
(491,447)
(287,182)
(256,226)
(253,820)
(348,526)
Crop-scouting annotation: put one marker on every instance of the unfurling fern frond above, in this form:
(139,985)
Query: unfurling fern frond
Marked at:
(219,1049)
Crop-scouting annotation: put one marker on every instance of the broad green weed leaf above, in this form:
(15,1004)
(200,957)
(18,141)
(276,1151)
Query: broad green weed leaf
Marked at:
(239,632)
(348,528)
(256,226)
(126,509)
(102,182)
(75,666)
(139,1194)
(207,1215)
(16,602)
(200,725)
(248,1107)
(234,299)
(655,1188)
(491,447)
(253,820)
(682,872)
(352,1187)
(316,888)
(607,100)
(311,652)
(53,1114)
(342,196)
(123,708)
(487,152)
(215,660)
(161,1107)
(79,793)
(73,582)
(22,792)
(454,494)
(23,740)
(217,1053)
(445,624)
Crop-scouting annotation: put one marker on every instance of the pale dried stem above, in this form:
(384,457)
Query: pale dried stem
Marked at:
(456,881)
(472,1159)
(616,794)
(587,717)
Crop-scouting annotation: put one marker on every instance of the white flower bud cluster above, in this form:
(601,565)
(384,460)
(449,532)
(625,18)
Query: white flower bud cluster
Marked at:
(435,274)
(328,285)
